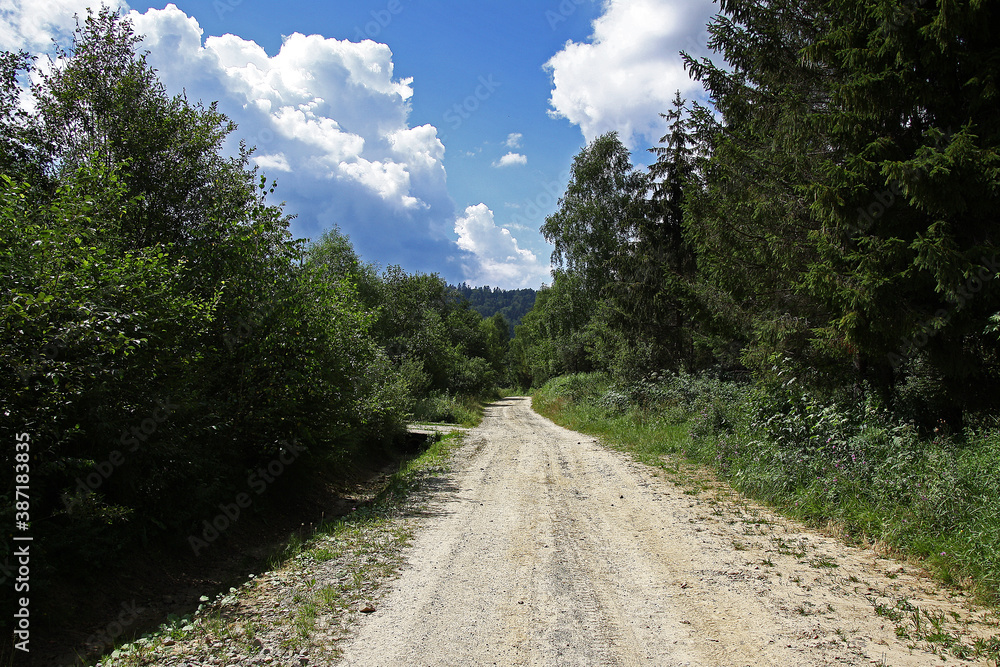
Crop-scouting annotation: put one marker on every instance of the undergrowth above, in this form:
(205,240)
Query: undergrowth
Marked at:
(447,408)
(366,543)
(933,496)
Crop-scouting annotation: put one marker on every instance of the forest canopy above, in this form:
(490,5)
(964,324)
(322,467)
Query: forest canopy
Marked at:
(831,214)
(163,336)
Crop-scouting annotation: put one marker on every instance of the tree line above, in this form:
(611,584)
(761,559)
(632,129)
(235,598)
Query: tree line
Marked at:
(164,339)
(828,216)
(488,301)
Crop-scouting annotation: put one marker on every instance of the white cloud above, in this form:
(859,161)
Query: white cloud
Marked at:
(513,140)
(498,260)
(332,117)
(629,71)
(333,107)
(510,160)
(33,25)
(331,121)
(277,162)
(418,146)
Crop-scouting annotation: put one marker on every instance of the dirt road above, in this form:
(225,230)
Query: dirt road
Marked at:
(552,550)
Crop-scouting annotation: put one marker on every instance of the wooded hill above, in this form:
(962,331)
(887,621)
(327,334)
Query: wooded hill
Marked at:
(487,301)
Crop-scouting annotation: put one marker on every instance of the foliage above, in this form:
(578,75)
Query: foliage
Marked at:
(551,339)
(512,304)
(433,342)
(831,210)
(442,407)
(848,189)
(879,479)
(162,338)
(620,300)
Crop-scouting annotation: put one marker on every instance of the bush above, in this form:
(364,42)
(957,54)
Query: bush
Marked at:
(881,479)
(443,407)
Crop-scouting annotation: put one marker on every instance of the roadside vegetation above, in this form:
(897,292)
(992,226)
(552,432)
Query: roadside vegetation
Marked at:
(315,587)
(874,479)
(801,291)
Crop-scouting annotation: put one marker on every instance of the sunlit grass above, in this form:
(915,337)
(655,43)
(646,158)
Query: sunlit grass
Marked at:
(934,499)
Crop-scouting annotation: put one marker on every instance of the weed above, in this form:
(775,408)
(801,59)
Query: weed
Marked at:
(886,611)
(823,562)
(846,463)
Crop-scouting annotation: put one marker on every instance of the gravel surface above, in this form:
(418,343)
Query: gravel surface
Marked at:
(540,547)
(552,550)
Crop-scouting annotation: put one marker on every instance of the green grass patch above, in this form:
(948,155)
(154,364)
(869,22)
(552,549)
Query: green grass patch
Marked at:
(366,545)
(933,497)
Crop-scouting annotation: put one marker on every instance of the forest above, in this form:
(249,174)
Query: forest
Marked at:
(487,301)
(164,339)
(804,278)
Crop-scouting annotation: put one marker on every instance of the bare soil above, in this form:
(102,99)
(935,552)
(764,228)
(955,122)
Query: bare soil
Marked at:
(547,549)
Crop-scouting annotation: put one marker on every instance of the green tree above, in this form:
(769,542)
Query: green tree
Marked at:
(496,343)
(599,215)
(19,143)
(553,337)
(848,198)
(336,258)
(144,273)
(105,103)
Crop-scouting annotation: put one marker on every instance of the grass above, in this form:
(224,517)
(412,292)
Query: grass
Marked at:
(932,498)
(366,547)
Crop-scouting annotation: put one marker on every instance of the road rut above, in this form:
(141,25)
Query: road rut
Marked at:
(552,550)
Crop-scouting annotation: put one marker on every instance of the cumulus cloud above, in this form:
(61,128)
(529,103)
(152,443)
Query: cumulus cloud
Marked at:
(510,160)
(330,122)
(497,258)
(513,140)
(277,162)
(628,72)
(33,25)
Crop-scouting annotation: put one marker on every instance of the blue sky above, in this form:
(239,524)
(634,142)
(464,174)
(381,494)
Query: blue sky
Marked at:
(436,134)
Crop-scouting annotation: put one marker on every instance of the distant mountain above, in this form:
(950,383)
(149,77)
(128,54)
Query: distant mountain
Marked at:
(487,301)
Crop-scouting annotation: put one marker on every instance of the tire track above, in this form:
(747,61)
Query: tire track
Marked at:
(556,551)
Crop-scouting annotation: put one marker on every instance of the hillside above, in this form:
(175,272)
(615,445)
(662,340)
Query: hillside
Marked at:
(487,301)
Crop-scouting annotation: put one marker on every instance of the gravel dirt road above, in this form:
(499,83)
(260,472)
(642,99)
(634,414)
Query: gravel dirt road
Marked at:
(549,549)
